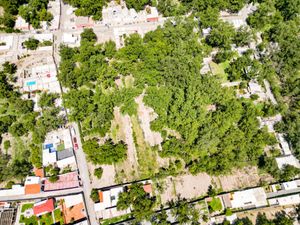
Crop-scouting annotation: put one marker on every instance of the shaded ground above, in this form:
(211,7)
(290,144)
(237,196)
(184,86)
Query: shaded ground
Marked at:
(270,212)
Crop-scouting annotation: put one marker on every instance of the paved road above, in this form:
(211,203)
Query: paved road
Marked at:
(283,193)
(85,177)
(42,195)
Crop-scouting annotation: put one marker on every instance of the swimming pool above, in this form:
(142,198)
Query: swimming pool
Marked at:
(30,83)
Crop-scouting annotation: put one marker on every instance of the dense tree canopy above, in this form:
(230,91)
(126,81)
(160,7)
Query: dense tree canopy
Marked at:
(35,12)
(107,153)
(142,203)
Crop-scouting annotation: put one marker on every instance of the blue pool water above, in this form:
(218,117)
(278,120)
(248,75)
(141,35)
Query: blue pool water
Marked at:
(30,83)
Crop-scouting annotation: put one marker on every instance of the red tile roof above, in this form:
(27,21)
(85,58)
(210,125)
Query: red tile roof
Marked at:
(43,207)
(39,172)
(65,181)
(148,188)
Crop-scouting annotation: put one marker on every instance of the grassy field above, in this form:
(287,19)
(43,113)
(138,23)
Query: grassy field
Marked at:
(58,216)
(33,220)
(26,206)
(19,146)
(147,156)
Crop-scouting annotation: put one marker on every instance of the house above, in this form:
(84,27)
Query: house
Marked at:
(6,42)
(285,200)
(58,149)
(289,185)
(285,148)
(32,185)
(152,14)
(148,188)
(43,207)
(38,172)
(21,24)
(14,191)
(287,160)
(73,208)
(107,207)
(7,216)
(40,78)
(65,181)
(83,22)
(251,198)
(70,39)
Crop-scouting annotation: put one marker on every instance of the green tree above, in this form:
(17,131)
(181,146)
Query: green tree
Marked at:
(140,201)
(184,212)
(108,153)
(7,145)
(98,172)
(47,99)
(88,35)
(9,68)
(94,195)
(31,44)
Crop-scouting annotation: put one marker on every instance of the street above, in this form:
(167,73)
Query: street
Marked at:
(85,178)
(41,195)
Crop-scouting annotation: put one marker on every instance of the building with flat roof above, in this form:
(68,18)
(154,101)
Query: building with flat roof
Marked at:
(15,190)
(21,24)
(7,216)
(32,185)
(287,160)
(6,42)
(285,200)
(251,198)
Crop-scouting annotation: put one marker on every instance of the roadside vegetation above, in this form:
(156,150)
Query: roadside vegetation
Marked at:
(27,128)
(32,11)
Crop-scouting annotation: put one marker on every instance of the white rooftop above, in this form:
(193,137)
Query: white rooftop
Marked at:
(6,42)
(284,145)
(49,157)
(289,185)
(72,200)
(16,190)
(32,180)
(287,160)
(286,200)
(255,197)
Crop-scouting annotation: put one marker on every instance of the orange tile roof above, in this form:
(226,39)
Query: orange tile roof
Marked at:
(100,193)
(148,188)
(32,189)
(74,213)
(39,172)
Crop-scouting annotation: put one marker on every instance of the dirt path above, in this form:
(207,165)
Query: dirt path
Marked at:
(145,116)
(128,169)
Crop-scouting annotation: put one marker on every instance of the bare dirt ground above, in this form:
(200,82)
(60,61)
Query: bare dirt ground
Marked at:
(1,11)
(146,115)
(186,186)
(248,177)
(270,212)
(107,179)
